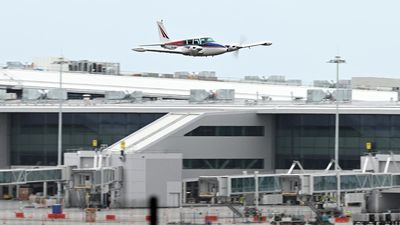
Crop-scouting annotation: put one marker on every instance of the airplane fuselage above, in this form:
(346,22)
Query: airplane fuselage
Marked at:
(197,47)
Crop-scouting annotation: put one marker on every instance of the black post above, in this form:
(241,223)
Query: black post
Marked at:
(153,211)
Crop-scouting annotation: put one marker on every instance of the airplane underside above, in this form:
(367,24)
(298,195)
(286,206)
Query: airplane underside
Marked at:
(204,52)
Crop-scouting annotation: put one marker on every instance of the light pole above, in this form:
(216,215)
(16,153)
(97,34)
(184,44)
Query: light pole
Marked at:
(338,60)
(61,62)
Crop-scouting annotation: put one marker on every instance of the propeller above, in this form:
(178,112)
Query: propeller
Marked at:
(241,41)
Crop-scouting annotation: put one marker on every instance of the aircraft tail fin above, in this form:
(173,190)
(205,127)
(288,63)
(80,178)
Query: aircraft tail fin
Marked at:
(164,37)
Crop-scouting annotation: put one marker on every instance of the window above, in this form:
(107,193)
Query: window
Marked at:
(223,163)
(242,185)
(210,40)
(196,41)
(227,131)
(34,135)
(316,134)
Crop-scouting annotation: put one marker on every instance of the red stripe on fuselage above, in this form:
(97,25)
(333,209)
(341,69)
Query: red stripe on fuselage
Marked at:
(179,43)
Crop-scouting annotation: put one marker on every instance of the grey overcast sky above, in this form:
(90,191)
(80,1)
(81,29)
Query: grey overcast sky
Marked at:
(305,34)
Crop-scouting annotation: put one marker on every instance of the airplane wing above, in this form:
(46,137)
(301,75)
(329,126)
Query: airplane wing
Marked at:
(156,50)
(265,43)
(156,44)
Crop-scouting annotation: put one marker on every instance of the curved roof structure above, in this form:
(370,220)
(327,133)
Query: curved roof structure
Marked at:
(165,87)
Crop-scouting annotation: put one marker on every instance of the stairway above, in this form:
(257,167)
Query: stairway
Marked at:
(235,211)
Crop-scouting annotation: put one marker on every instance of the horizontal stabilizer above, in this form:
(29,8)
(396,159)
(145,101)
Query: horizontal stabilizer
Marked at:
(139,49)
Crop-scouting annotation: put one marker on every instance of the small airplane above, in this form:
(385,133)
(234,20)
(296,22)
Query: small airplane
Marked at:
(202,46)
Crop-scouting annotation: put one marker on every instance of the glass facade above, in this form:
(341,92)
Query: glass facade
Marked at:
(310,138)
(247,184)
(227,131)
(243,185)
(269,184)
(33,136)
(223,163)
(325,183)
(353,182)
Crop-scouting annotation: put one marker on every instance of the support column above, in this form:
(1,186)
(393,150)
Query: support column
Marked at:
(10,191)
(4,141)
(183,193)
(17,191)
(66,194)
(256,194)
(44,189)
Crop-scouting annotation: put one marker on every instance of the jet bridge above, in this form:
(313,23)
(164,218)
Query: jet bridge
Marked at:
(307,183)
(26,176)
(377,173)
(17,177)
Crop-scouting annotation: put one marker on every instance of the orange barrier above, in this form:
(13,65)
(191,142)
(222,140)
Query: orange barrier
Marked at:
(148,218)
(259,219)
(90,215)
(19,215)
(56,216)
(110,217)
(342,219)
(211,218)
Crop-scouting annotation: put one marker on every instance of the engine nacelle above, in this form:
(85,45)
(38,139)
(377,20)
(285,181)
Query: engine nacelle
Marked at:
(192,49)
(195,48)
(231,48)
(171,47)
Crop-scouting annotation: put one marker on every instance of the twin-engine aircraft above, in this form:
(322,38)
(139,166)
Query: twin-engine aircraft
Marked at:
(203,46)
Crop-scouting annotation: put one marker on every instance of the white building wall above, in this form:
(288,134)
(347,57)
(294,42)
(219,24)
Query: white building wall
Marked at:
(219,147)
(152,174)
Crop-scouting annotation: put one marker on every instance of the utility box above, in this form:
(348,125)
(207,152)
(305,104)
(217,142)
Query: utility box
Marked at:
(322,83)
(3,94)
(354,199)
(116,95)
(225,94)
(276,78)
(315,95)
(274,199)
(198,95)
(343,95)
(136,95)
(57,94)
(33,94)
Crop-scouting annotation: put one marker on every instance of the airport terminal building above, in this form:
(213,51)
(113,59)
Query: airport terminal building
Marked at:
(263,128)
(252,140)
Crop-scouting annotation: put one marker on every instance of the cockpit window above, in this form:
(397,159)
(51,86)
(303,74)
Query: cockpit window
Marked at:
(199,41)
(206,40)
(210,40)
